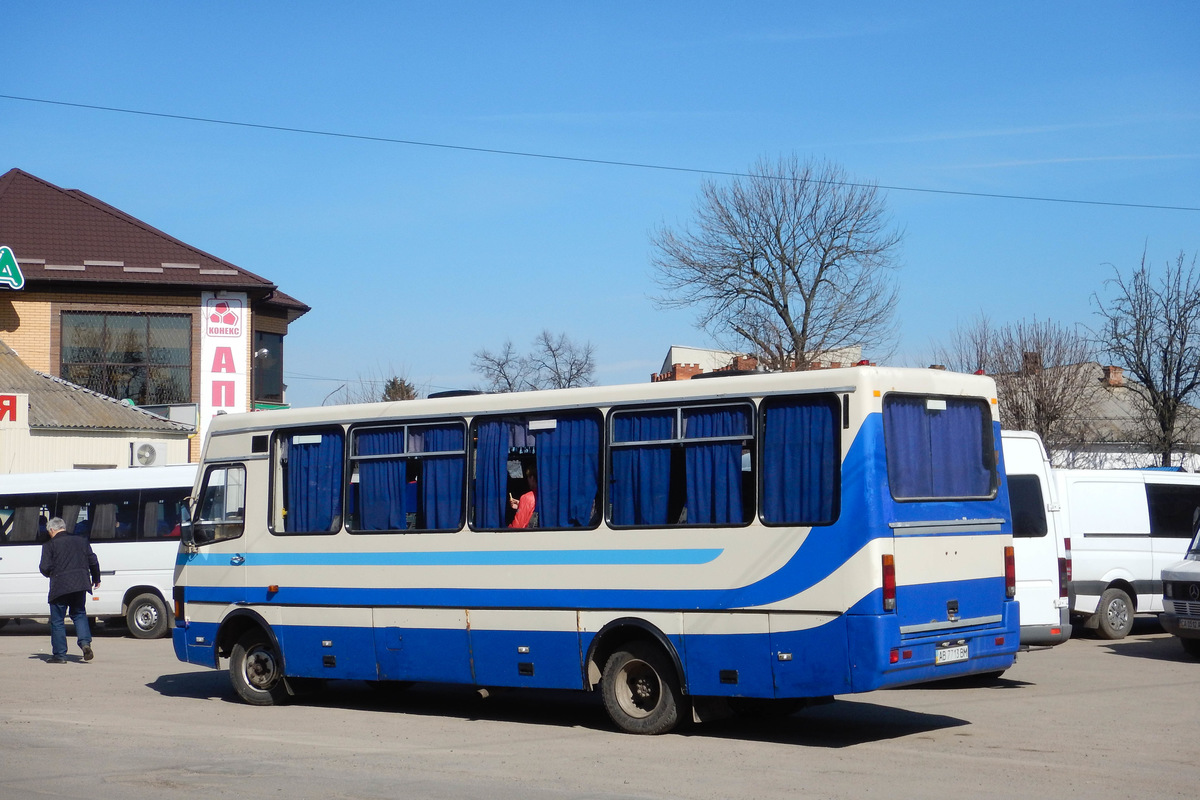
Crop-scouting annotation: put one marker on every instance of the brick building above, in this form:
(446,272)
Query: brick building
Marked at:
(100,299)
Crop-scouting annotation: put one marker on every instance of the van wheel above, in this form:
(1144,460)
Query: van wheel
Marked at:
(1115,614)
(256,670)
(147,617)
(1191,647)
(640,690)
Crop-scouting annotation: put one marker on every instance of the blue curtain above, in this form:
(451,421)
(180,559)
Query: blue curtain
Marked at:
(714,469)
(491,473)
(957,444)
(936,454)
(799,462)
(381,489)
(314,481)
(442,493)
(568,466)
(641,476)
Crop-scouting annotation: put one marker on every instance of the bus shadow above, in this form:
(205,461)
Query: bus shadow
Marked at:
(842,723)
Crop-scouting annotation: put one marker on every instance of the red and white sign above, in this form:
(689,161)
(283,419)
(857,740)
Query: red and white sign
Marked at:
(224,344)
(14,410)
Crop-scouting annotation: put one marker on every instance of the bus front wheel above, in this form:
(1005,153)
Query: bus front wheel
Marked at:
(256,670)
(640,690)
(147,617)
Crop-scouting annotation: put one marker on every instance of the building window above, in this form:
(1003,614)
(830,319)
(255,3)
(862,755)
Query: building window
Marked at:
(146,358)
(268,367)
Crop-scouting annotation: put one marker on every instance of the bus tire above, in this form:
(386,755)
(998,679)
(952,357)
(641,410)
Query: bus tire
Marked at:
(1114,615)
(146,617)
(256,670)
(1191,647)
(640,689)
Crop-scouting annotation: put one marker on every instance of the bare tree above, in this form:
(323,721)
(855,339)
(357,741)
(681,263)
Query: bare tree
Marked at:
(555,362)
(794,262)
(1044,373)
(505,370)
(560,363)
(1151,327)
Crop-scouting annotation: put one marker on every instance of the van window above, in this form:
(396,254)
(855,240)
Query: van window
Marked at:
(23,518)
(939,448)
(1028,507)
(1173,509)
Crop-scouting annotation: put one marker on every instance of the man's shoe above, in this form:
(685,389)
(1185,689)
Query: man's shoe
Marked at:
(56,660)
(87,652)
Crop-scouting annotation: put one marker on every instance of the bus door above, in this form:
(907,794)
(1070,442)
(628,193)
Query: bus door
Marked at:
(212,562)
(23,589)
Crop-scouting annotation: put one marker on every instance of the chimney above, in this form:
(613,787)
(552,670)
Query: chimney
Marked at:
(1031,363)
(1114,376)
(937,366)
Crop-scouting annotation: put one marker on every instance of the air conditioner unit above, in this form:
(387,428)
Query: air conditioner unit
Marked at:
(147,454)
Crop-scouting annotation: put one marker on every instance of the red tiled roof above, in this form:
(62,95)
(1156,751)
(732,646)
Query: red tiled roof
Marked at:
(65,235)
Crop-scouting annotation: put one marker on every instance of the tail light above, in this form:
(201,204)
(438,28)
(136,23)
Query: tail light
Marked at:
(889,583)
(1064,569)
(177,596)
(1010,573)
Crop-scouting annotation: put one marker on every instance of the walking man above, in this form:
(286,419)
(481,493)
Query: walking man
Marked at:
(73,570)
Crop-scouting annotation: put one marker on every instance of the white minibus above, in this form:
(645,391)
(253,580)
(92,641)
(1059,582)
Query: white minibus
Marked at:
(130,516)
(1125,526)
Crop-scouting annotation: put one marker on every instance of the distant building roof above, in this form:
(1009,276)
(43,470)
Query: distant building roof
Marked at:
(55,404)
(67,236)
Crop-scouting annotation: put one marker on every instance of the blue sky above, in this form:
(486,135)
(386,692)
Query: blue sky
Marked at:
(414,257)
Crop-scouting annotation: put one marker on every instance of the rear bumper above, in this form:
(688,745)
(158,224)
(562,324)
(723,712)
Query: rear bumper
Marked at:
(881,657)
(1048,635)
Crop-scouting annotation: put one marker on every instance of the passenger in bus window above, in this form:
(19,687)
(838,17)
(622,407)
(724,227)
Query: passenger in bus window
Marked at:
(526,506)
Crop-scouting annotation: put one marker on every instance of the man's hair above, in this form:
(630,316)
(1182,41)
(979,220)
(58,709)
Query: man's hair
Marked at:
(56,524)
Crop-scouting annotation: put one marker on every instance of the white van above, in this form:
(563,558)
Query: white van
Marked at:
(130,516)
(1043,553)
(1181,599)
(1125,526)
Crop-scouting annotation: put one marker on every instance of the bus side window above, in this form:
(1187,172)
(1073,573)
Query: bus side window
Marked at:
(222,503)
(23,520)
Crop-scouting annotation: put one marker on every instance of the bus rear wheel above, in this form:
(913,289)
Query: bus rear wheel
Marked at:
(640,690)
(256,671)
(147,617)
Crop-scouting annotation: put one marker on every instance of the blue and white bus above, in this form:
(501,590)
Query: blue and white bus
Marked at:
(731,541)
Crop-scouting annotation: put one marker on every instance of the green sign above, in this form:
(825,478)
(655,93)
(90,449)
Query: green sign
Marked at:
(10,270)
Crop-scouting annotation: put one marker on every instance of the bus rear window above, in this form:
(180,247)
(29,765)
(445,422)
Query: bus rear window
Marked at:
(939,448)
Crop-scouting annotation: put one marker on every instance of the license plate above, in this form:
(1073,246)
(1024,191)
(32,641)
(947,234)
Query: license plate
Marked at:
(1190,623)
(949,655)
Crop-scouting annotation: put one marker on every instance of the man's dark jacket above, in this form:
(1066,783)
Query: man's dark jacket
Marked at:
(70,564)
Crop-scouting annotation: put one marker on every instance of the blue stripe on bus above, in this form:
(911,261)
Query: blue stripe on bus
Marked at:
(474,558)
